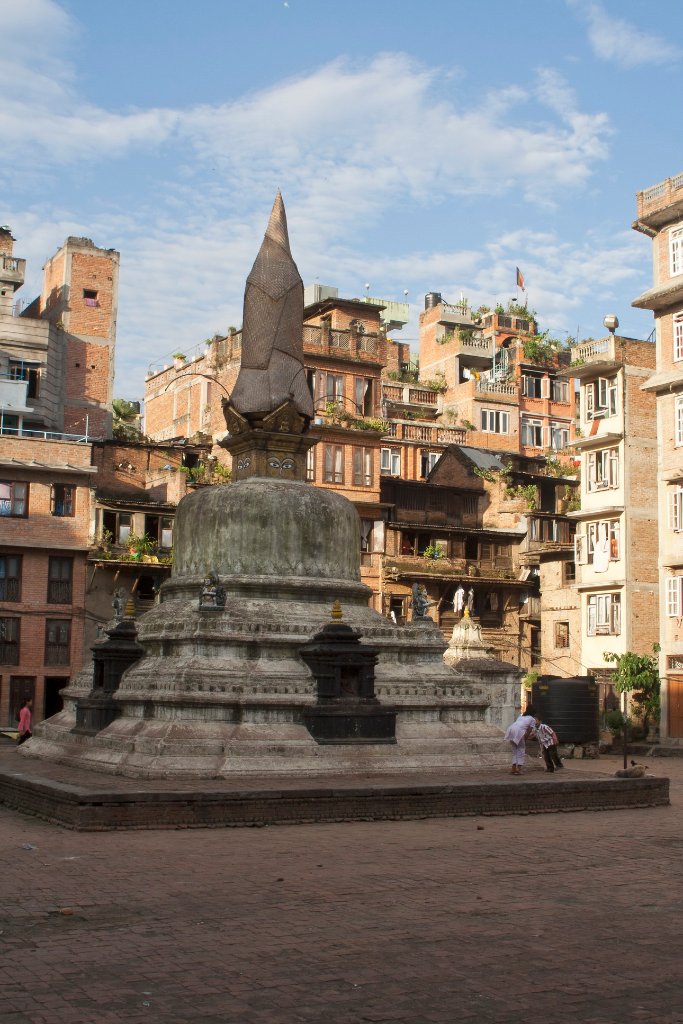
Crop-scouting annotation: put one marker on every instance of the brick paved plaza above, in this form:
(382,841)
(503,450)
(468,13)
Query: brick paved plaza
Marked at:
(555,917)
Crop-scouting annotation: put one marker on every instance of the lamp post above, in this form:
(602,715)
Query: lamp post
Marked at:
(611,323)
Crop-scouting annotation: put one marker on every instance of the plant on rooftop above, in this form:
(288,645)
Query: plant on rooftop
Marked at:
(541,348)
(126,420)
(515,309)
(437,384)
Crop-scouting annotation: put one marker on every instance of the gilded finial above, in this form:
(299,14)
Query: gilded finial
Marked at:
(129,610)
(466,613)
(337,611)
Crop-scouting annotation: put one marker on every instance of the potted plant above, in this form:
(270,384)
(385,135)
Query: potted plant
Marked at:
(179,359)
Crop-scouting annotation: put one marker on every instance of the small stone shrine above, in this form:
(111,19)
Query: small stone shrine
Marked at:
(238,672)
(346,710)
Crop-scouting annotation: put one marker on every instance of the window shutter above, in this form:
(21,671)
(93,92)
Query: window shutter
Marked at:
(615,616)
(580,549)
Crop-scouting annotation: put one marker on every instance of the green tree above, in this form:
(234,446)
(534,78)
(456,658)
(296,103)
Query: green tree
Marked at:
(126,422)
(638,675)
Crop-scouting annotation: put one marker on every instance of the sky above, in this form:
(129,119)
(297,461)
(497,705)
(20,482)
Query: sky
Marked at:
(418,147)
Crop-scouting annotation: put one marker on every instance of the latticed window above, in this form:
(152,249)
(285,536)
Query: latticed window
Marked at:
(13,498)
(9,641)
(57,641)
(10,577)
(60,574)
(562,634)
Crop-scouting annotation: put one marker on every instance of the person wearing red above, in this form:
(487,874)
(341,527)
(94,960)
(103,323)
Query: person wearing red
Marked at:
(25,721)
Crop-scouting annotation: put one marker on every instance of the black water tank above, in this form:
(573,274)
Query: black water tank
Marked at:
(432,299)
(570,706)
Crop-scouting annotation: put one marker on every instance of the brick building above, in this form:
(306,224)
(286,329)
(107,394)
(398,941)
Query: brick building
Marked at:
(500,380)
(45,516)
(137,487)
(384,443)
(56,376)
(616,538)
(660,218)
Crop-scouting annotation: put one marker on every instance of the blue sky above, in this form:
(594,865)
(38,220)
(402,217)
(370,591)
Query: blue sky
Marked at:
(418,147)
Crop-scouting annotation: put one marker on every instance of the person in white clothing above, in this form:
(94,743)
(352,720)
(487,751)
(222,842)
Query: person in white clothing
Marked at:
(517,734)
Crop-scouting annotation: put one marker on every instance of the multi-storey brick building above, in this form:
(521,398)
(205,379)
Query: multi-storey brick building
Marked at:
(61,345)
(45,516)
(616,539)
(56,374)
(385,445)
(660,217)
(500,379)
(136,489)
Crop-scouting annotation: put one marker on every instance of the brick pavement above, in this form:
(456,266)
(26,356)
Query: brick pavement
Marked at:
(427,922)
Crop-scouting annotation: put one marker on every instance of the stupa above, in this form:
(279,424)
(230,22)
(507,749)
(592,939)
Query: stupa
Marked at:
(221,687)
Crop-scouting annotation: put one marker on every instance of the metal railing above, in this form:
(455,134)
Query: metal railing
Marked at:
(46,435)
(492,387)
(10,590)
(59,591)
(57,654)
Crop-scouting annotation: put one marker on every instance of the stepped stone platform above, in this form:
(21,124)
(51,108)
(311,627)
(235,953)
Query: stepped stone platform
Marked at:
(88,801)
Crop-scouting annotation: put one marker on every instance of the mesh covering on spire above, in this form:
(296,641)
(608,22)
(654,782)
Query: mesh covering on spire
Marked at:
(272,367)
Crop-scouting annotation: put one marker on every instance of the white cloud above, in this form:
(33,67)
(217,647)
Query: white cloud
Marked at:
(615,39)
(348,143)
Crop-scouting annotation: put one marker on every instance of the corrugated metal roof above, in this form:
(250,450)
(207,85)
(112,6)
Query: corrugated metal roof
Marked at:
(482,458)
(59,467)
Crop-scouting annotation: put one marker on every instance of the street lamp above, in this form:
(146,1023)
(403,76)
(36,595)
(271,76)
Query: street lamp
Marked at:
(610,323)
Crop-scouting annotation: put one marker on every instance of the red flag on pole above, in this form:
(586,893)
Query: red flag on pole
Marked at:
(520,278)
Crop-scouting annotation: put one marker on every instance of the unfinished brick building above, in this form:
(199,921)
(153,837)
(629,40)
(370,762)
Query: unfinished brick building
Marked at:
(56,378)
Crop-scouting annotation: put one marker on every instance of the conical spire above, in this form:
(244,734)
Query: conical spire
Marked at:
(277,225)
(272,367)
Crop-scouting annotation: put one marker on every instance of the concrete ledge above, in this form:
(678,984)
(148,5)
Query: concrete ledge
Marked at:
(85,801)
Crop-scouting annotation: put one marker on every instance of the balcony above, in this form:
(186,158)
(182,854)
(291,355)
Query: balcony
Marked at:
(342,344)
(12,271)
(549,533)
(425,432)
(506,389)
(592,359)
(407,566)
(418,399)
(661,204)
(46,435)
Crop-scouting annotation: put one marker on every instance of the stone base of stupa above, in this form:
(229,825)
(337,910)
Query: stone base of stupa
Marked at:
(208,711)
(223,691)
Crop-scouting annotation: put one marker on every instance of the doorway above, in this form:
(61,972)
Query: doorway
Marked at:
(53,697)
(21,688)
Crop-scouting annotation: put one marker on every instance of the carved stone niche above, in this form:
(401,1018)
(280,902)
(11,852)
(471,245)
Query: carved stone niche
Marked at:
(110,660)
(346,710)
